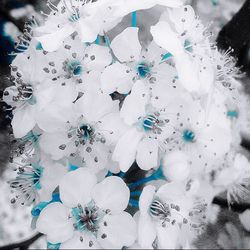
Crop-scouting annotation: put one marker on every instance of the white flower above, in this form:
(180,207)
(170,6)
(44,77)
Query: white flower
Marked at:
(133,63)
(234,177)
(88,19)
(185,42)
(75,60)
(91,215)
(44,104)
(35,181)
(148,127)
(163,214)
(93,131)
(203,136)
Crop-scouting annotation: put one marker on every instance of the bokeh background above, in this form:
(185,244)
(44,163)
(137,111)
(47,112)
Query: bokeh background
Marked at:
(15,220)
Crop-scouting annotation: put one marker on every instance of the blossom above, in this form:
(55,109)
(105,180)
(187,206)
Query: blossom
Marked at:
(91,133)
(164,216)
(43,105)
(198,133)
(133,63)
(75,60)
(189,47)
(148,127)
(35,181)
(88,19)
(91,214)
(234,177)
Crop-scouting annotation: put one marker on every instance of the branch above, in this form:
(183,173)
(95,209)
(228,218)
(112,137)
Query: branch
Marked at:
(23,245)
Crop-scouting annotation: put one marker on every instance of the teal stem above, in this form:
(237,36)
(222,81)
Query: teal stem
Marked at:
(157,175)
(134,19)
(51,246)
(134,203)
(121,174)
(97,41)
(135,193)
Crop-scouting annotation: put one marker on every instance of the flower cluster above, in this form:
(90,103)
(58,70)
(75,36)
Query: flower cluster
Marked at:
(98,90)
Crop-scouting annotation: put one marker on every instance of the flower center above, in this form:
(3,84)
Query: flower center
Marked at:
(188,136)
(74,68)
(25,93)
(75,15)
(232,114)
(152,123)
(85,132)
(188,46)
(27,182)
(87,218)
(143,69)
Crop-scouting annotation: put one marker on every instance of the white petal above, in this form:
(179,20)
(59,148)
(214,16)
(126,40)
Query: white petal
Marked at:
(125,150)
(112,127)
(146,199)
(146,232)
(117,77)
(166,38)
(215,141)
(187,72)
(175,166)
(112,193)
(91,110)
(87,241)
(127,51)
(88,29)
(76,186)
(168,236)
(23,120)
(52,174)
(53,221)
(98,57)
(120,231)
(177,15)
(51,144)
(147,153)
(245,219)
(51,42)
(134,106)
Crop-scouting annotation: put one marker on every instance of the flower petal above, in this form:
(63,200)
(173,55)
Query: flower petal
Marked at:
(166,38)
(112,193)
(168,236)
(147,153)
(81,241)
(51,42)
(53,221)
(76,186)
(125,150)
(146,199)
(23,120)
(117,77)
(127,51)
(146,232)
(120,231)
(98,57)
(134,106)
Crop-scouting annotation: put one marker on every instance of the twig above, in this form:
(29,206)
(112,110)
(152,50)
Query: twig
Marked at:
(23,245)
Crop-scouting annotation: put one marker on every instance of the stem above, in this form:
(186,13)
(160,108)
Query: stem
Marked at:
(23,245)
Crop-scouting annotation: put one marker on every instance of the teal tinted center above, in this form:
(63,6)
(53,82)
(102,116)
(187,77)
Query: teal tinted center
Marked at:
(87,218)
(188,46)
(149,122)
(85,131)
(232,114)
(188,136)
(75,68)
(143,69)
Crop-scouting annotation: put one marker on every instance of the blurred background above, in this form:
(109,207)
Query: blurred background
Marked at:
(15,220)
